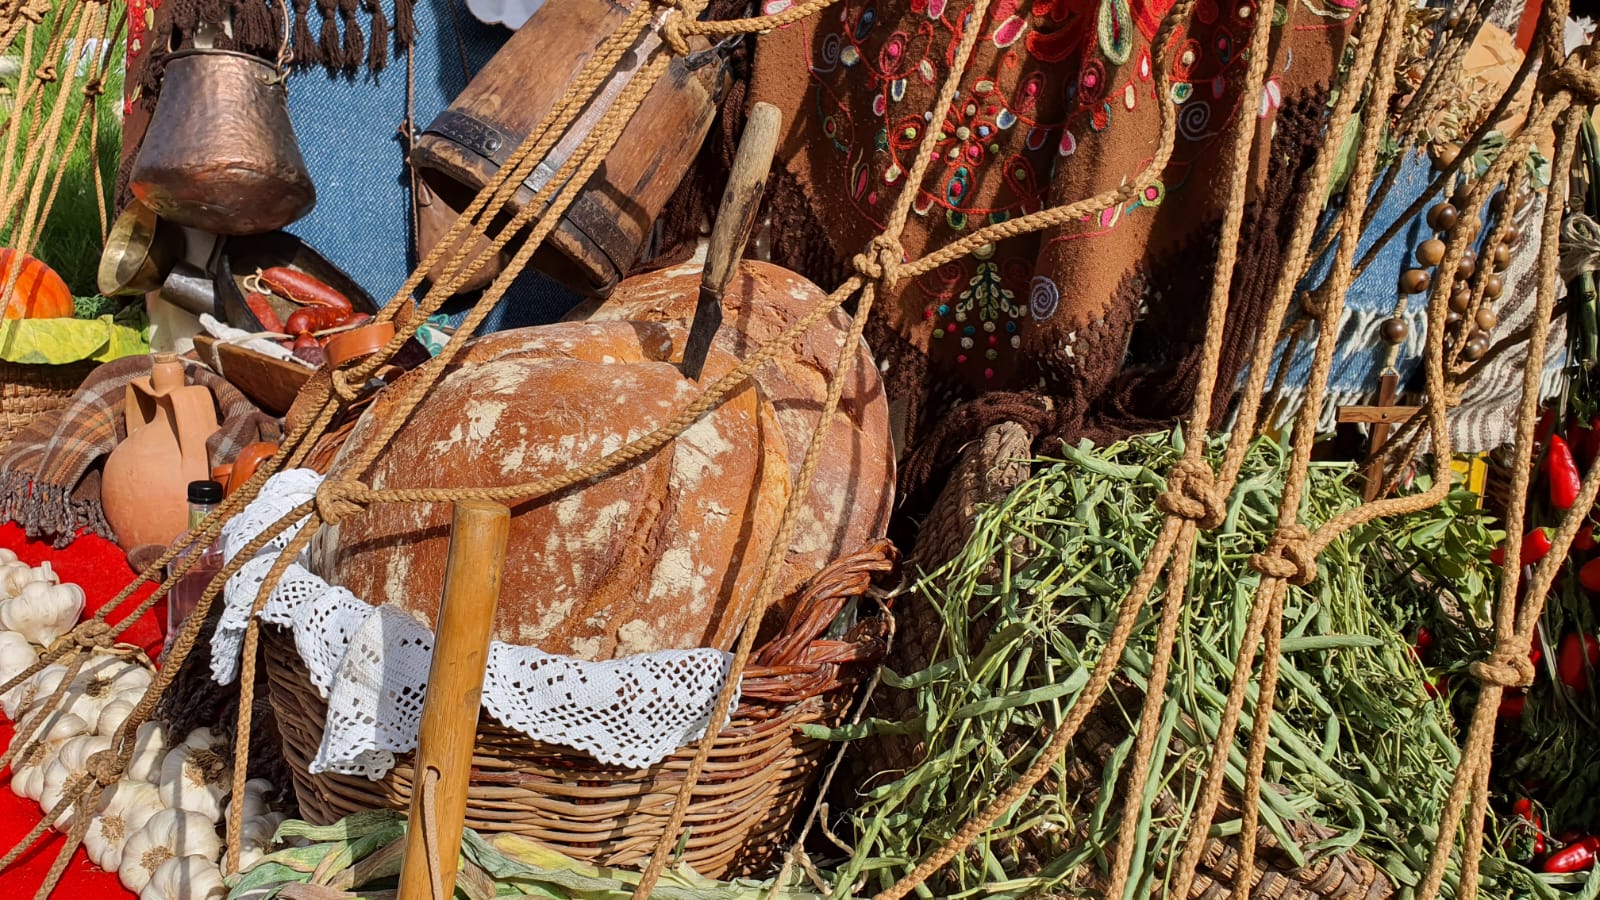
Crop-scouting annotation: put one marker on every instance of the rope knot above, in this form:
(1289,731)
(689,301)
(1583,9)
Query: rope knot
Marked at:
(1508,670)
(94,88)
(672,33)
(335,501)
(104,767)
(342,388)
(881,260)
(92,635)
(1192,494)
(46,72)
(1575,79)
(1288,556)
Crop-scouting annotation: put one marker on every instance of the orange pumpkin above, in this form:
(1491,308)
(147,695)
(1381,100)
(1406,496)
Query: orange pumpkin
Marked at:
(39,292)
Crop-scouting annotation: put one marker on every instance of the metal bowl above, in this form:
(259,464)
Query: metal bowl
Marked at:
(140,250)
(242,256)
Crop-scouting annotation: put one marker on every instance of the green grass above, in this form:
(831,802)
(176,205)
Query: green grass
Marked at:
(71,240)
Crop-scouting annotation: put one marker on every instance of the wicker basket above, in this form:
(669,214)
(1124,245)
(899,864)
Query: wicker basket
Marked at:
(743,804)
(988,469)
(27,391)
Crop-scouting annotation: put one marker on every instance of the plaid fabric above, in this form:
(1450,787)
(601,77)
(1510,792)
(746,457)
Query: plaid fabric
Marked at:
(50,472)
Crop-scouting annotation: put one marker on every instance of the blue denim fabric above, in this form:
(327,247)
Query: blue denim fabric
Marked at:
(1358,363)
(348,128)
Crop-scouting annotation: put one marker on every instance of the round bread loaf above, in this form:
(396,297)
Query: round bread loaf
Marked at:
(852,490)
(662,553)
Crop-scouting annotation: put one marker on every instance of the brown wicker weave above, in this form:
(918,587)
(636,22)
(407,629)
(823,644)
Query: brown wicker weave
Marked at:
(26,391)
(743,804)
(986,471)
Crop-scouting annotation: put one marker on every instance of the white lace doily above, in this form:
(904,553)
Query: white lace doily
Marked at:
(371,664)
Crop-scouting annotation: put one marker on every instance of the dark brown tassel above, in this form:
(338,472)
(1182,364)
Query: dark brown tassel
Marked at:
(306,51)
(332,50)
(378,51)
(355,43)
(215,11)
(256,26)
(405,24)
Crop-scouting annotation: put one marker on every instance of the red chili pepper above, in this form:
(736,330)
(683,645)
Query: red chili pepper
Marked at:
(1440,688)
(303,288)
(1511,707)
(1589,576)
(315,318)
(1423,649)
(1578,653)
(1562,472)
(1536,649)
(1583,541)
(1535,544)
(1575,857)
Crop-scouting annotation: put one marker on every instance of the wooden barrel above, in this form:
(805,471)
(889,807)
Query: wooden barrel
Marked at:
(605,230)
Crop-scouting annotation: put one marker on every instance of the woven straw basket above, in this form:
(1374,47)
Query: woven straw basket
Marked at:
(988,469)
(743,805)
(27,391)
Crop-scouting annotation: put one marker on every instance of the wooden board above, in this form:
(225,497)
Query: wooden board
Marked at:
(270,383)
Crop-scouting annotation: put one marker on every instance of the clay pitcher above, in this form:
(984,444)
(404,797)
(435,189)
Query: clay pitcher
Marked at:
(144,490)
(220,154)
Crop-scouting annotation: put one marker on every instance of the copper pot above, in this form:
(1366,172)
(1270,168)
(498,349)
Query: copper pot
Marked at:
(220,154)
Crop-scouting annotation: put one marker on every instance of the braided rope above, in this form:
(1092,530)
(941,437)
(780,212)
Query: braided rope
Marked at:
(1512,641)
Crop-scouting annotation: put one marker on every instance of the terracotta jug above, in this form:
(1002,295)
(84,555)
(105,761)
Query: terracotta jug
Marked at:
(144,490)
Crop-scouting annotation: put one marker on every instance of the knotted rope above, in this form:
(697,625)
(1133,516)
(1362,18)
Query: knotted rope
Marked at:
(1192,494)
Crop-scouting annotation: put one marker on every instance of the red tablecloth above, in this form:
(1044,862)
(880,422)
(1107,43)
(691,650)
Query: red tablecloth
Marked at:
(101,570)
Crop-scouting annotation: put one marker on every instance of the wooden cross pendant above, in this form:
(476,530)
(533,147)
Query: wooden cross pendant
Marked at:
(1382,418)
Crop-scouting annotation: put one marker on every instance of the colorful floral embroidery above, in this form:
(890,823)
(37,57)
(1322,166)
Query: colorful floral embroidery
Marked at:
(1058,73)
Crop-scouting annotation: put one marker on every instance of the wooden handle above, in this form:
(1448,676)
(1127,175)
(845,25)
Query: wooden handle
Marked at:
(449,728)
(736,216)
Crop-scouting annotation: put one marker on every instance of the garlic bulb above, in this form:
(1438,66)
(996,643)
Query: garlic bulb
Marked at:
(42,611)
(16,654)
(43,683)
(18,575)
(70,763)
(255,838)
(27,772)
(112,715)
(124,809)
(61,727)
(105,679)
(256,791)
(13,575)
(185,878)
(7,556)
(149,750)
(167,834)
(196,778)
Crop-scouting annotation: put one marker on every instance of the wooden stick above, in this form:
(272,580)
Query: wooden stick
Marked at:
(450,711)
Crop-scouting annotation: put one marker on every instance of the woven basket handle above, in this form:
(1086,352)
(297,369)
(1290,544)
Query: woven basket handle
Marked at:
(826,593)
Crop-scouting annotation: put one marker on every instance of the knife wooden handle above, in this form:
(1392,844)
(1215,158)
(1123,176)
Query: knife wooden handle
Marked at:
(449,728)
(736,216)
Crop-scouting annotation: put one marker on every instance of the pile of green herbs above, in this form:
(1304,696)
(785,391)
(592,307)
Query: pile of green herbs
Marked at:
(71,239)
(1359,747)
